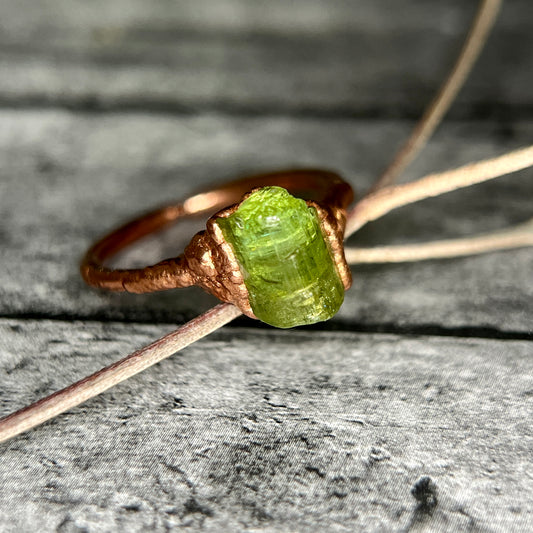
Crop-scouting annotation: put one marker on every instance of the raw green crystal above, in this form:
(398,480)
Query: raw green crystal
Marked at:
(286,264)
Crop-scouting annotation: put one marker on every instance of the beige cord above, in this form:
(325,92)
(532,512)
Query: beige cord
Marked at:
(477,36)
(107,377)
(384,200)
(515,237)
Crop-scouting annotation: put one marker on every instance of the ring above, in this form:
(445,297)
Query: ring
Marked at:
(276,253)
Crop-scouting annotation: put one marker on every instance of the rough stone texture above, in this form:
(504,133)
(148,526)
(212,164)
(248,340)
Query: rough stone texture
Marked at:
(284,258)
(110,108)
(271,431)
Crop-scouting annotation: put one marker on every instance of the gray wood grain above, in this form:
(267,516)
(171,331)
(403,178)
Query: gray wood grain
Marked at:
(344,57)
(270,431)
(260,429)
(67,178)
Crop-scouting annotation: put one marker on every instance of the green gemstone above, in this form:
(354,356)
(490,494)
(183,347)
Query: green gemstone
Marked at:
(286,264)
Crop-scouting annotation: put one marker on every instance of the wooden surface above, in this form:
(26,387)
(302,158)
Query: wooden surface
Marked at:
(269,430)
(111,108)
(363,57)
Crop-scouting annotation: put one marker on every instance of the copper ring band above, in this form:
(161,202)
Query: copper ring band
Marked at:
(324,188)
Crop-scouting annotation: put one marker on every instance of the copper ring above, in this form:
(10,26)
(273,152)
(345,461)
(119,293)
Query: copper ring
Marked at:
(206,261)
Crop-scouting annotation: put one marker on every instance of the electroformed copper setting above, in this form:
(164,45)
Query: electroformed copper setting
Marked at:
(208,261)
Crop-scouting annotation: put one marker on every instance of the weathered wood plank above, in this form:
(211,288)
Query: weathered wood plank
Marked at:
(346,57)
(283,431)
(278,431)
(67,178)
